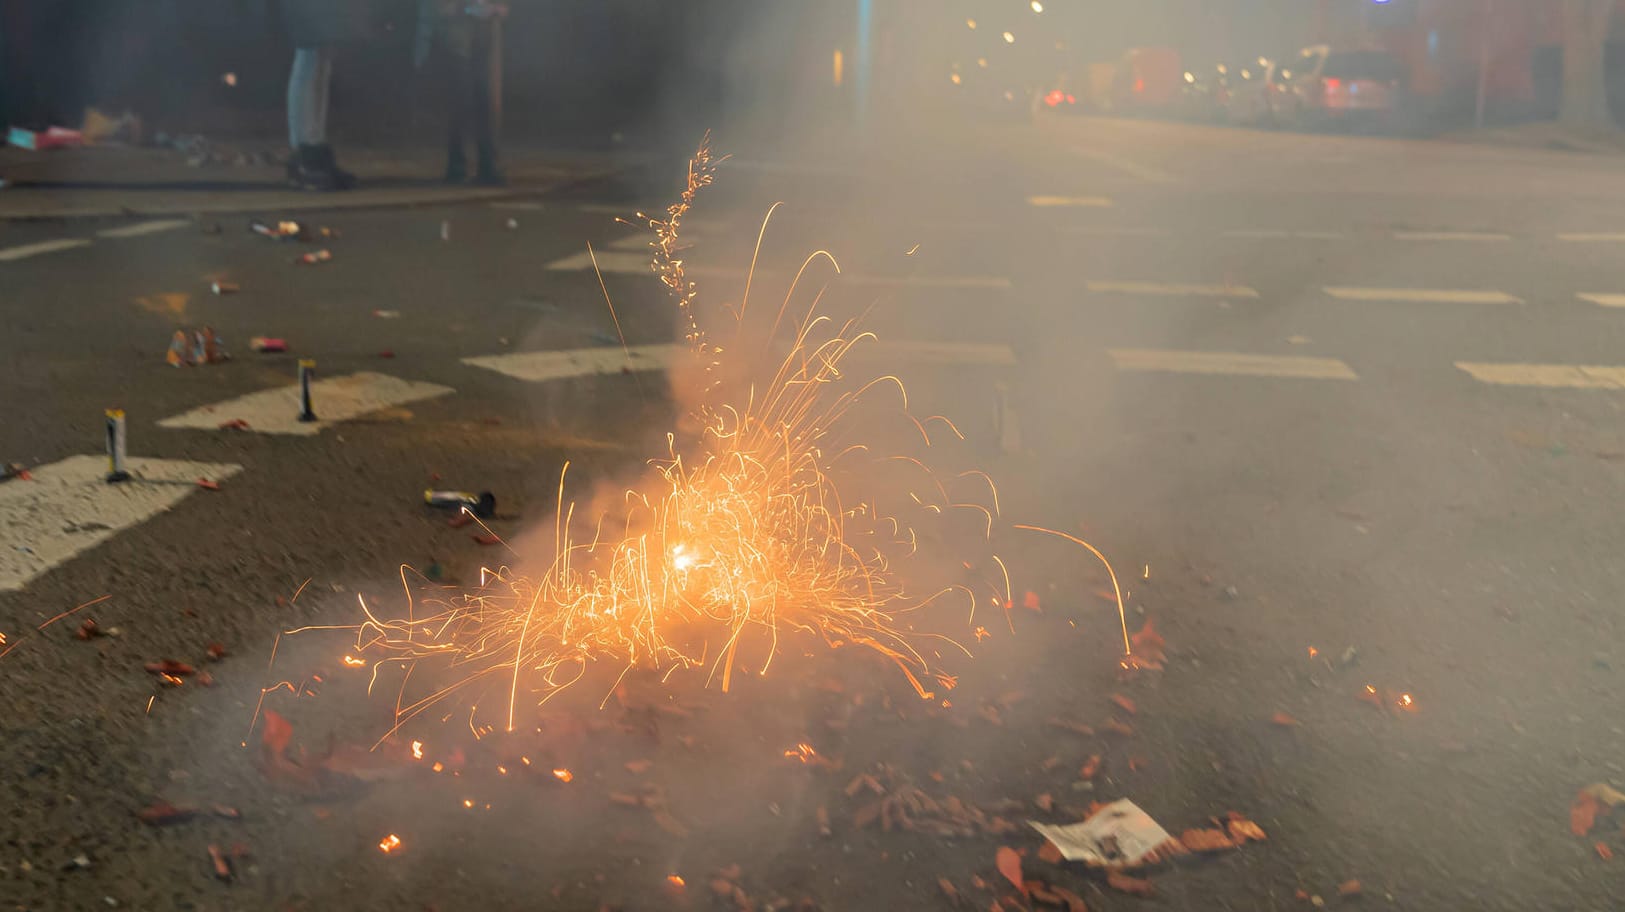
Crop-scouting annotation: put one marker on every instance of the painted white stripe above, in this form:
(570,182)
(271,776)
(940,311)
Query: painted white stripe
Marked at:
(334,399)
(639,241)
(1175,289)
(1234,363)
(27,250)
(141,228)
(523,205)
(1450,236)
(1422,295)
(629,263)
(1127,166)
(1604,237)
(1282,234)
(1569,376)
(542,366)
(1082,202)
(68,508)
(1114,232)
(1601,299)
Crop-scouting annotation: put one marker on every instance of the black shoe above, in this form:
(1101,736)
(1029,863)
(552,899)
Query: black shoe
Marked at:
(310,169)
(343,178)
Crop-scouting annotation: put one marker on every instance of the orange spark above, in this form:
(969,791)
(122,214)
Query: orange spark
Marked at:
(674,881)
(563,775)
(803,752)
(982,634)
(438,766)
(390,843)
(468,802)
(417,750)
(354,662)
(1406,701)
(1313,652)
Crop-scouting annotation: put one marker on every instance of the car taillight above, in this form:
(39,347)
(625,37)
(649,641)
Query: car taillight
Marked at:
(1332,85)
(1071,100)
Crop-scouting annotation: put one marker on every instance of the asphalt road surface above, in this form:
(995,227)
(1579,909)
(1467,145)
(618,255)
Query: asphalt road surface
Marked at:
(1343,412)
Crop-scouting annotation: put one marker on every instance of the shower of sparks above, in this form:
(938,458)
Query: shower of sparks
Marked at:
(750,530)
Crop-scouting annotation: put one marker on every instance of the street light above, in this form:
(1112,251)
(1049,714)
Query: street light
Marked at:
(1037,7)
(970,24)
(1009,38)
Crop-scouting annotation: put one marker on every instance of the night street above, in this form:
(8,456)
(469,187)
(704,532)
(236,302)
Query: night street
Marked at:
(1342,411)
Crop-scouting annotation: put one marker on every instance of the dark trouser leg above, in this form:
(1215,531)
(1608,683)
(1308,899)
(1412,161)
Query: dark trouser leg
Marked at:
(455,67)
(479,72)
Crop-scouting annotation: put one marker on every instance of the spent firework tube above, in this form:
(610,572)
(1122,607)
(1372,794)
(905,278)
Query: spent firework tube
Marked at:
(225,288)
(483,504)
(117,471)
(268,344)
(307,370)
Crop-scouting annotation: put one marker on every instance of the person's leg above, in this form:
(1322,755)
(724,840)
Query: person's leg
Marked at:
(454,68)
(321,92)
(303,123)
(480,62)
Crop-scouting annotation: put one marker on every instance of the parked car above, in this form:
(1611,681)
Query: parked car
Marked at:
(1206,96)
(1147,81)
(1064,96)
(1248,101)
(1323,87)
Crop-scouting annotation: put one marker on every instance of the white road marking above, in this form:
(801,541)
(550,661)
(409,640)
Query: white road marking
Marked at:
(1604,237)
(523,205)
(1320,235)
(1127,166)
(333,399)
(1233,363)
(1601,299)
(630,263)
(1450,236)
(639,241)
(1114,232)
(1081,202)
(541,366)
(1163,289)
(564,364)
(1570,376)
(141,228)
(1422,295)
(68,508)
(1281,234)
(25,251)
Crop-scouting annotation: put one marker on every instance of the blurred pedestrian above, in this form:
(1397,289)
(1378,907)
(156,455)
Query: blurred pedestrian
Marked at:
(316,28)
(459,40)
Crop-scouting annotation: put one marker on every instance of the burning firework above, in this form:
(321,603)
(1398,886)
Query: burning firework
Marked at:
(752,531)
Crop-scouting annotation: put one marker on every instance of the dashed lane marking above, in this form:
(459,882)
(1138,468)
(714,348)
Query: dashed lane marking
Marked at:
(333,399)
(68,508)
(1547,376)
(1422,295)
(25,251)
(143,228)
(607,360)
(1450,236)
(1232,363)
(1043,201)
(1164,289)
(632,263)
(1601,299)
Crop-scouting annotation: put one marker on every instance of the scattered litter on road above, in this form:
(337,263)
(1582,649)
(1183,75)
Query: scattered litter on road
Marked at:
(1591,802)
(1349,888)
(49,138)
(208,484)
(1009,864)
(15,470)
(224,288)
(281,231)
(235,424)
(387,314)
(1118,834)
(170,667)
(190,349)
(222,866)
(1133,886)
(266,345)
(1284,720)
(314,257)
(162,813)
(483,504)
(445,230)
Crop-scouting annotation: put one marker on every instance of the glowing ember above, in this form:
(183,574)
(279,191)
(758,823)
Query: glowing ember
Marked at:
(468,802)
(1313,652)
(417,750)
(438,766)
(563,775)
(674,881)
(1406,701)
(390,843)
(354,662)
(803,752)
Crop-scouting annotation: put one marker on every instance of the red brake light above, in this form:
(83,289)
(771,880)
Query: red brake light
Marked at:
(1332,85)
(1071,100)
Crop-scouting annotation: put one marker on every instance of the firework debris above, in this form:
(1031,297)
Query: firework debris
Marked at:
(170,668)
(1118,834)
(162,813)
(89,630)
(1008,861)
(1350,888)
(15,470)
(1594,800)
(1133,886)
(222,865)
(1284,720)
(909,809)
